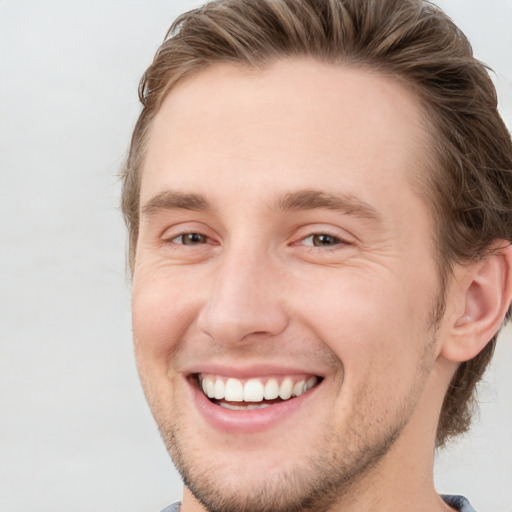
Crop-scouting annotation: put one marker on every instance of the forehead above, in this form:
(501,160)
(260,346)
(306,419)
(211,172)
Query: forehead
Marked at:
(297,122)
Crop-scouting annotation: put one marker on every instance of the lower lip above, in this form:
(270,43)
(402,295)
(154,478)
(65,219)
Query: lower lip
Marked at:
(249,421)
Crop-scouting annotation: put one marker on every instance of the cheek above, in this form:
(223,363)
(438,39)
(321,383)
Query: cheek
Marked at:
(160,317)
(372,325)
(162,311)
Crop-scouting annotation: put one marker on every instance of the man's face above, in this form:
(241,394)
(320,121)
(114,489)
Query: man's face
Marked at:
(284,250)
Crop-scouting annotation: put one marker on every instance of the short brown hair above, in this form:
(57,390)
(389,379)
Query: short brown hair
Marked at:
(468,182)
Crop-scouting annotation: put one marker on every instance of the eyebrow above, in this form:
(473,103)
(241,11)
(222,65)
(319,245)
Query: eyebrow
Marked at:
(293,201)
(315,199)
(173,200)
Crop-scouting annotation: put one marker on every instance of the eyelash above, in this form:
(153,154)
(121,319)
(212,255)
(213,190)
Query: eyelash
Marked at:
(203,239)
(335,240)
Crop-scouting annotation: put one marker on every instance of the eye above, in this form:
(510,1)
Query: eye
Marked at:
(321,240)
(190,239)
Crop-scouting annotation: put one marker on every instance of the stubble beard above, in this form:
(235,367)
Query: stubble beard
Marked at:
(329,474)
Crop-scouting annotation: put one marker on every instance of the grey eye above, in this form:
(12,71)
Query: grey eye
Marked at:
(321,240)
(190,239)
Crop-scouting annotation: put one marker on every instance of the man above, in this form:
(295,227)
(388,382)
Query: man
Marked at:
(318,194)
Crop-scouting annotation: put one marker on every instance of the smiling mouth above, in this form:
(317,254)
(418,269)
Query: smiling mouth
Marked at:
(254,393)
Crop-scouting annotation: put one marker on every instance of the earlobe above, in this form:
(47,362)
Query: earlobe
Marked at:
(486,293)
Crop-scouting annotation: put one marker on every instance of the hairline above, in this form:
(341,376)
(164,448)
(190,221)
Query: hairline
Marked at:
(422,177)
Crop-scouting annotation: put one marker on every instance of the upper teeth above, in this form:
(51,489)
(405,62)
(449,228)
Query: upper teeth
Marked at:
(255,390)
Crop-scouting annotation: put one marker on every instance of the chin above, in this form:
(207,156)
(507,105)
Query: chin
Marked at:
(259,480)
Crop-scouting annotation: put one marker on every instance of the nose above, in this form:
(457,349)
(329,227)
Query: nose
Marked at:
(245,299)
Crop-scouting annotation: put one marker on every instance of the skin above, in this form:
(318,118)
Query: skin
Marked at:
(254,293)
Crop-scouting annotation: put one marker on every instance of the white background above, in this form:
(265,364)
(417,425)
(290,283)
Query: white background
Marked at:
(75,432)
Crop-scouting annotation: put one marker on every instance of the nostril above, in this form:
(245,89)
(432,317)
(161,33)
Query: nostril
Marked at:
(235,312)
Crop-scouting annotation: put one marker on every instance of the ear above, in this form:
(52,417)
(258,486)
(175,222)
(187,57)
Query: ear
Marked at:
(483,292)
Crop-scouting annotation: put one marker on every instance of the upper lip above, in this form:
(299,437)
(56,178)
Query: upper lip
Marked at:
(238,371)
